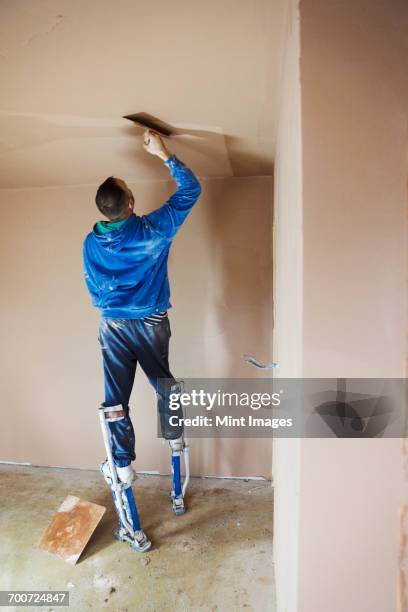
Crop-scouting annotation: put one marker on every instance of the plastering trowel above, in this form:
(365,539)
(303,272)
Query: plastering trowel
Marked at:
(152,123)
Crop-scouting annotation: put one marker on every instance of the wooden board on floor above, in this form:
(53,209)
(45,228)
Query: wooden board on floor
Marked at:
(71,528)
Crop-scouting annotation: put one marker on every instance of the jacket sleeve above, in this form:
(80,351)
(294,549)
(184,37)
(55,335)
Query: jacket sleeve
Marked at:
(168,219)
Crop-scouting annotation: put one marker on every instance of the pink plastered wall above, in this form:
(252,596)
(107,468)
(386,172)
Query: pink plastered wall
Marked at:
(221,280)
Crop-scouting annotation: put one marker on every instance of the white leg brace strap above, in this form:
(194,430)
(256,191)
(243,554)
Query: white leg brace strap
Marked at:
(114,413)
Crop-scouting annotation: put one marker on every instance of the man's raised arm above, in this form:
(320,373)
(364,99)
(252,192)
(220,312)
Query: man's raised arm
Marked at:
(167,219)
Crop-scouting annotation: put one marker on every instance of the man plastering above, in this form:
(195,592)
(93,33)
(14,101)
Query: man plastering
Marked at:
(125,268)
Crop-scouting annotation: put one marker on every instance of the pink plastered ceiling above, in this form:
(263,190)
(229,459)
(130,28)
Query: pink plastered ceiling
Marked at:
(70,70)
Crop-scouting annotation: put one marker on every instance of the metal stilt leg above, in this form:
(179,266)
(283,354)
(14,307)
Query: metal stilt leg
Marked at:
(129,525)
(179,448)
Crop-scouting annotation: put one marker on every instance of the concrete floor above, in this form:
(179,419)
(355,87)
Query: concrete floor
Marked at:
(218,556)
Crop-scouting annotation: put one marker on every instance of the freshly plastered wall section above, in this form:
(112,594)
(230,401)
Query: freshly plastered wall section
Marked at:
(220,274)
(340,504)
(288,297)
(354,135)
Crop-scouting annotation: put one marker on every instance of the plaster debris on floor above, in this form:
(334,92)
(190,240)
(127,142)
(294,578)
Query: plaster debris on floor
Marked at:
(219,551)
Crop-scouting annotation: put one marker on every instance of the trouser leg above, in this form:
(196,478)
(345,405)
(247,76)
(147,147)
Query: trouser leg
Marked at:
(153,356)
(119,366)
(152,353)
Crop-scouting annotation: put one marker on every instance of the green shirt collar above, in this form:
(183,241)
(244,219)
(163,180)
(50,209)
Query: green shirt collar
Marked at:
(103,227)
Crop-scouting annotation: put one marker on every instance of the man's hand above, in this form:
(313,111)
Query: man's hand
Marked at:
(154,145)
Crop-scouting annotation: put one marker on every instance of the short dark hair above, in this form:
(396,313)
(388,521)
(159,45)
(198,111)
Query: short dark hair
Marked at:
(111,200)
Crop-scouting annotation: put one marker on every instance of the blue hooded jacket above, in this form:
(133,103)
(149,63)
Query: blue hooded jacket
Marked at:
(126,269)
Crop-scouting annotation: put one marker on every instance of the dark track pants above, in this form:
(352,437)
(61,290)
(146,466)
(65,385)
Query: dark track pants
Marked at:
(124,343)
